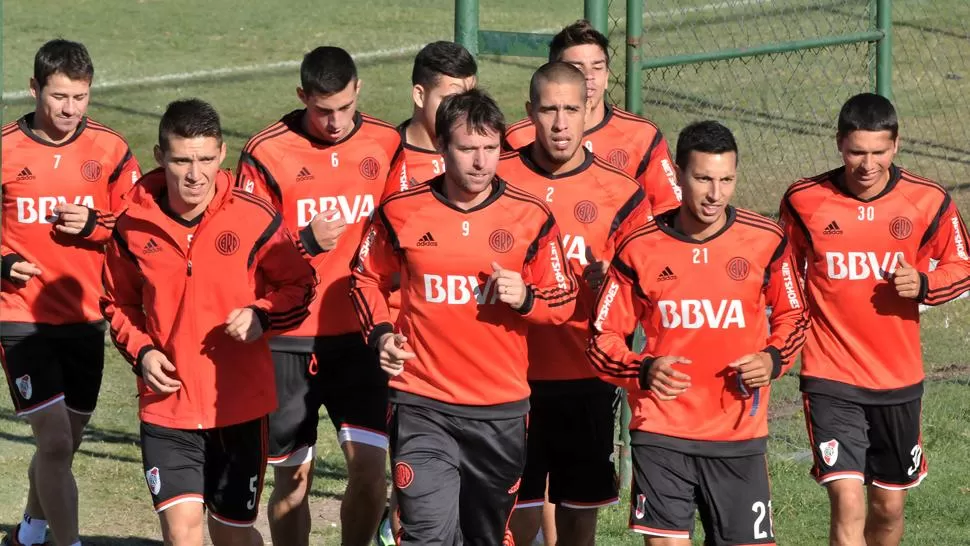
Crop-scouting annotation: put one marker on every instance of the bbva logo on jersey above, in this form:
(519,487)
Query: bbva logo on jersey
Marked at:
(695,314)
(857,266)
(352,209)
(575,246)
(459,289)
(33,211)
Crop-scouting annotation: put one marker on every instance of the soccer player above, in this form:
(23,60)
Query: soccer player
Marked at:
(628,142)
(699,280)
(866,232)
(480,260)
(440,69)
(63,175)
(324,167)
(197,273)
(572,411)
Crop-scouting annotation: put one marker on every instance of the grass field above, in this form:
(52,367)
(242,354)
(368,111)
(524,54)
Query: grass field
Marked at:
(242,57)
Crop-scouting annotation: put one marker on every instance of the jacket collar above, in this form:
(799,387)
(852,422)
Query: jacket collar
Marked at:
(144,199)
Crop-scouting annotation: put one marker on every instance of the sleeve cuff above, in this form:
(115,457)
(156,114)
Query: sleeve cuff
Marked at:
(88,228)
(529,303)
(310,243)
(136,367)
(263,318)
(924,288)
(375,335)
(6,263)
(776,361)
(645,366)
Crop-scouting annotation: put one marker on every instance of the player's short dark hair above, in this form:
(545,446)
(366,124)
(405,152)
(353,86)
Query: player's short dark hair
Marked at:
(476,107)
(188,118)
(442,59)
(579,33)
(62,57)
(557,72)
(868,112)
(327,70)
(709,137)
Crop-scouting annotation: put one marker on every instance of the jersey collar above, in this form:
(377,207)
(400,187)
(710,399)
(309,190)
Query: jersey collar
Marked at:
(607,116)
(402,131)
(26,122)
(294,122)
(838,180)
(665,221)
(525,154)
(437,185)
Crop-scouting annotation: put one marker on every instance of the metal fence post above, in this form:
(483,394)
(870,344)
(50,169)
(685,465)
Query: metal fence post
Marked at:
(634,70)
(466,24)
(597,12)
(884,48)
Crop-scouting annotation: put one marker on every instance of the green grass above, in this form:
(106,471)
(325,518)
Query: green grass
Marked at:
(783,109)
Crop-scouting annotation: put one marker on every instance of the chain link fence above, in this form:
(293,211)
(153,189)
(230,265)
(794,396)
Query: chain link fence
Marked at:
(783,106)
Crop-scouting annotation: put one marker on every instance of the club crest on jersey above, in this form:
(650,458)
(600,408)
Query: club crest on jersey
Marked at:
(829,451)
(370,168)
(403,475)
(738,268)
(618,158)
(91,170)
(900,228)
(586,212)
(154,480)
(24,386)
(501,241)
(227,243)
(641,509)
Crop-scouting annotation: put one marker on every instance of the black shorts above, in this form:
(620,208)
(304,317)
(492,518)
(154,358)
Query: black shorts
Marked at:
(571,443)
(878,445)
(53,364)
(221,467)
(343,375)
(732,495)
(456,478)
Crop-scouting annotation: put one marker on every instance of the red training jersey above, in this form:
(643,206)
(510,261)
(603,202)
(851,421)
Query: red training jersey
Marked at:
(705,301)
(470,346)
(303,176)
(630,143)
(167,291)
(93,168)
(864,344)
(589,203)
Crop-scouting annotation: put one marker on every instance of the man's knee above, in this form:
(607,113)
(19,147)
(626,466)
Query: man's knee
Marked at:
(182,524)
(886,508)
(52,432)
(576,526)
(365,465)
(292,483)
(78,422)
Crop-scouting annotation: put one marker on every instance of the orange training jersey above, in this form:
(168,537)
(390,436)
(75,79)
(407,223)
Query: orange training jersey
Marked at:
(589,204)
(470,346)
(415,165)
(93,168)
(628,142)
(705,301)
(303,176)
(864,344)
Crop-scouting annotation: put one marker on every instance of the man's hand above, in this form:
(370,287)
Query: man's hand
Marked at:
(511,288)
(754,369)
(70,218)
(327,228)
(157,371)
(394,351)
(595,273)
(906,280)
(664,381)
(21,272)
(243,325)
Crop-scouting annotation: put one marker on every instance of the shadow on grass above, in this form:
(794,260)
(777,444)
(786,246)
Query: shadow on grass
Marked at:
(93,436)
(100,540)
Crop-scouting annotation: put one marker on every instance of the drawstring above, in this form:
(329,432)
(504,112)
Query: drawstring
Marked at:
(313,368)
(755,399)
